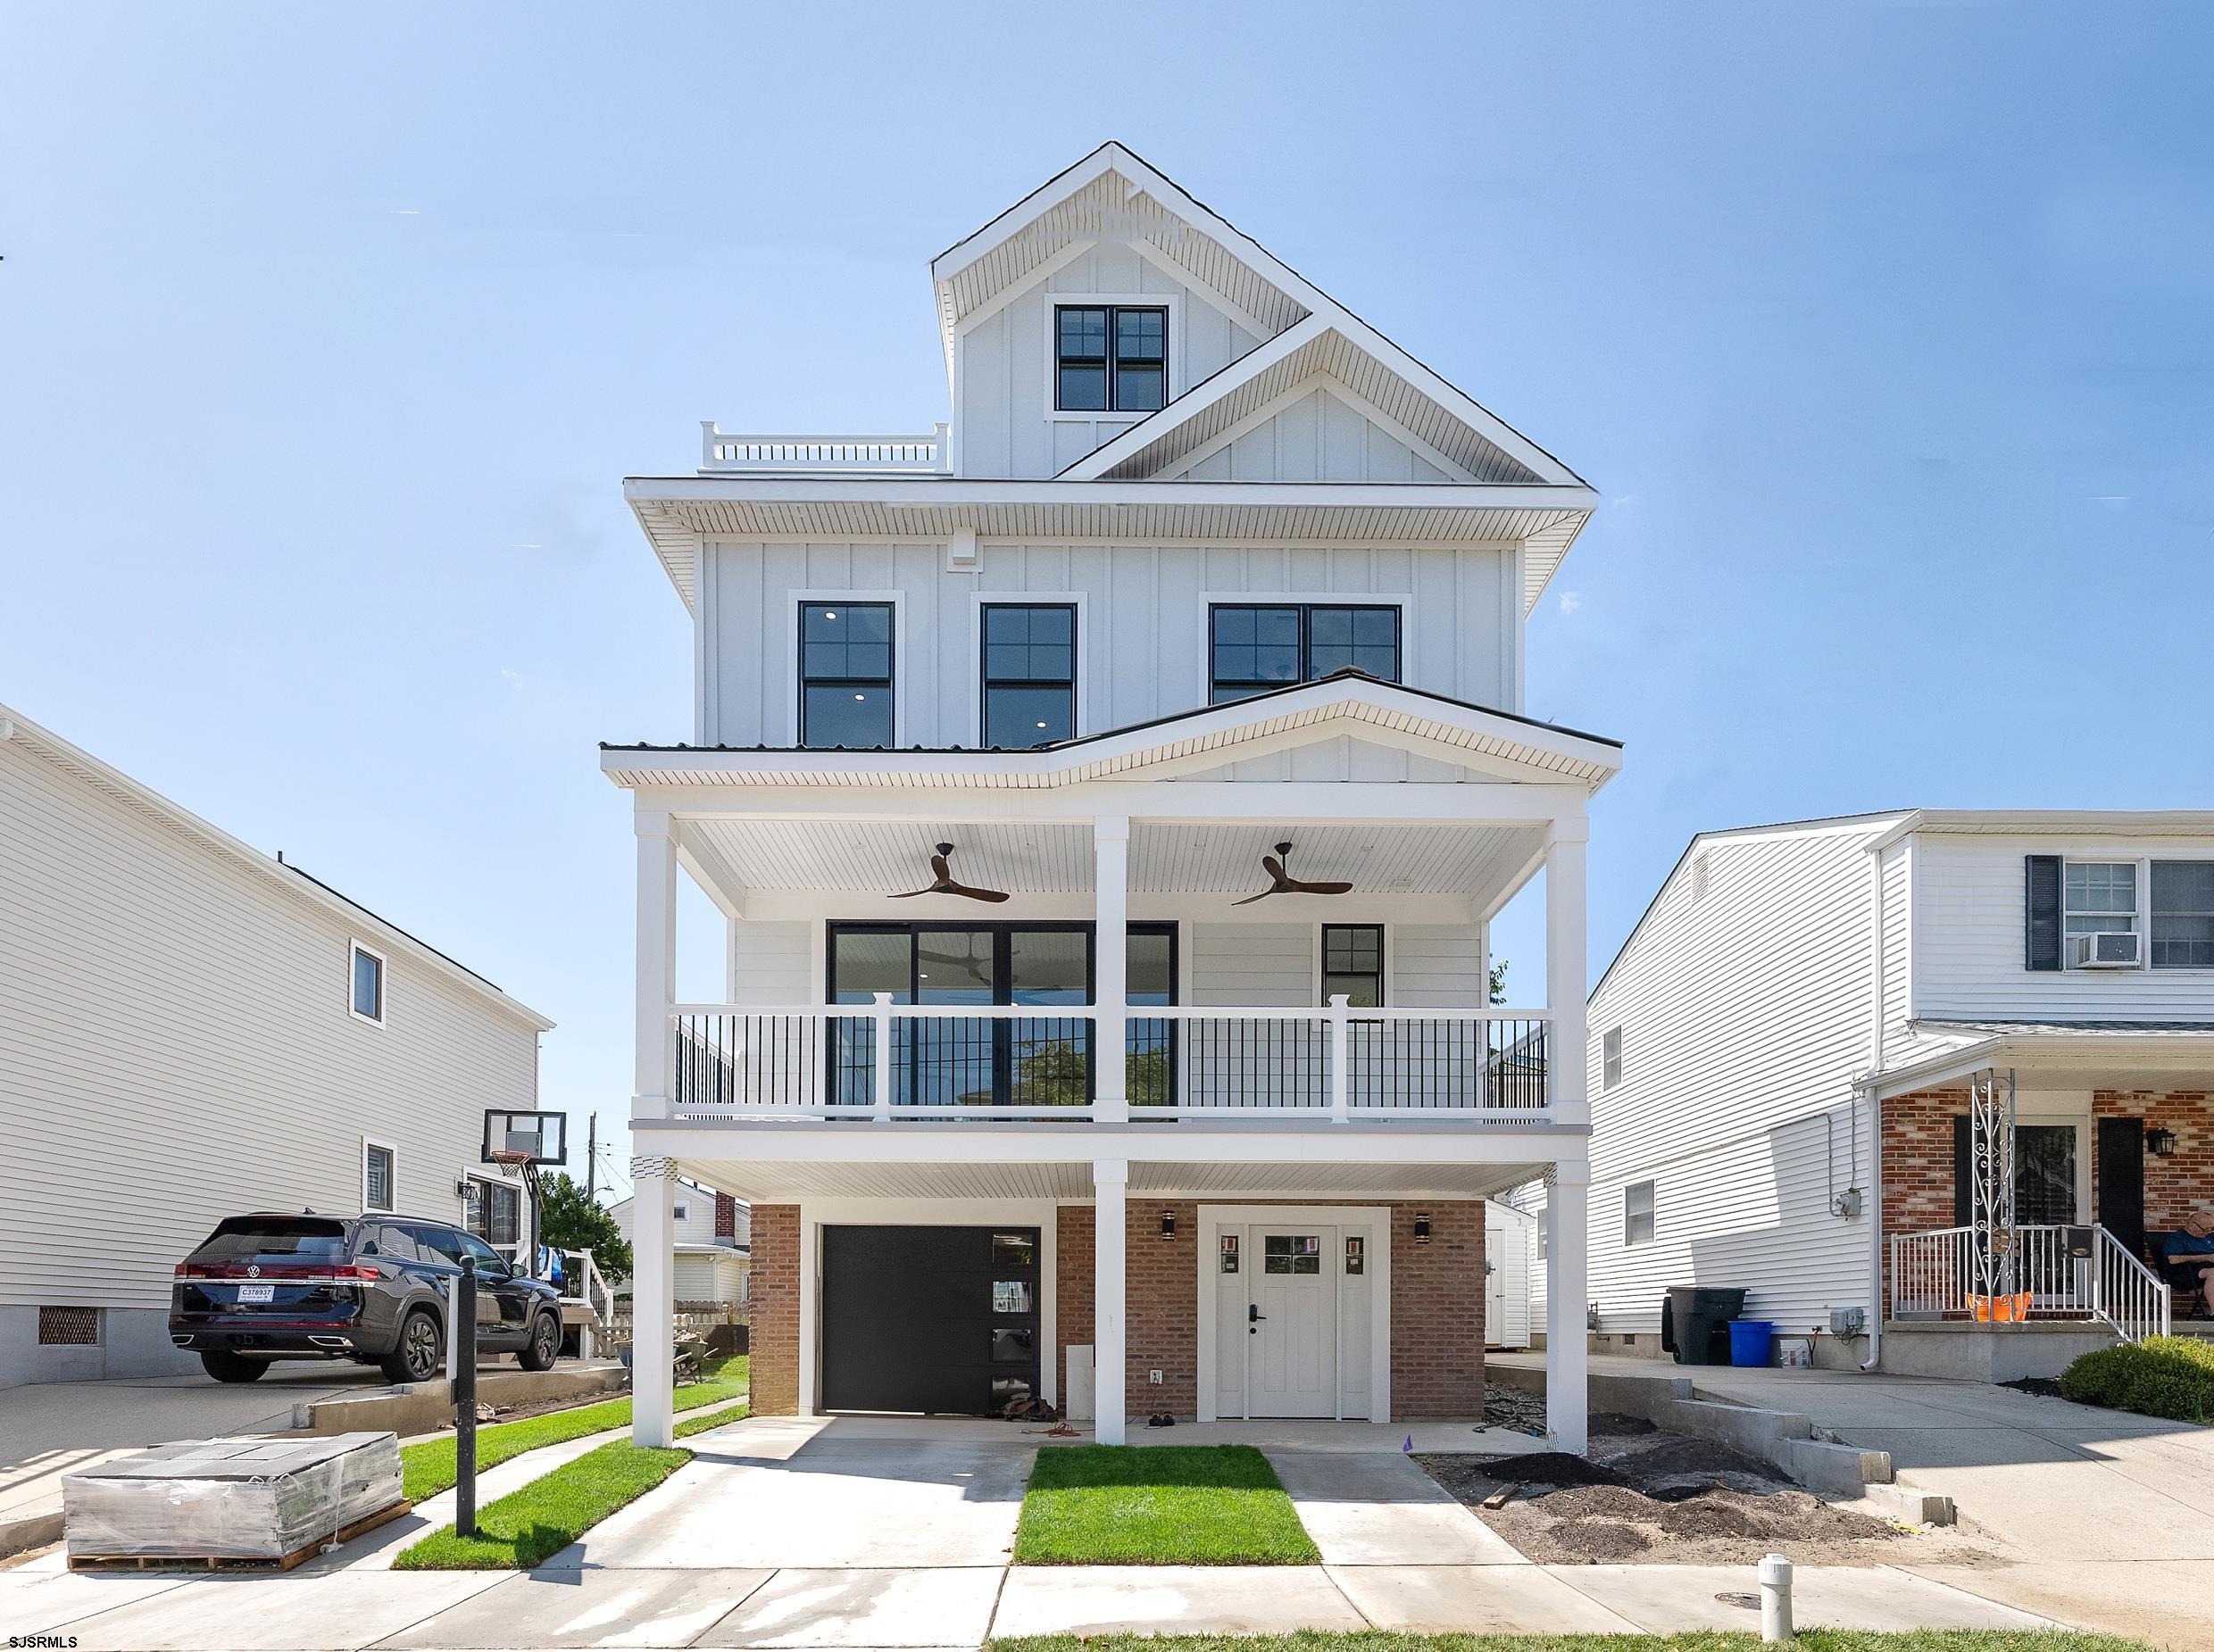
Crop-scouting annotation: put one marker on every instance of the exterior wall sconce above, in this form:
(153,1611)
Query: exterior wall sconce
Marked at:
(2160,1143)
(1168,1225)
(1422,1227)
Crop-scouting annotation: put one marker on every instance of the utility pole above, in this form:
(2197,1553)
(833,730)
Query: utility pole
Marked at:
(591,1159)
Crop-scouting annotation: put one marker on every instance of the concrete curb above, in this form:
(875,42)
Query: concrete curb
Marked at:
(423,1408)
(30,1532)
(1785,1439)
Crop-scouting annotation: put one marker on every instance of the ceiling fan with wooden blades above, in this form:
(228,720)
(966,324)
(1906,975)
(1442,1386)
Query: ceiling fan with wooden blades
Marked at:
(941,883)
(1282,882)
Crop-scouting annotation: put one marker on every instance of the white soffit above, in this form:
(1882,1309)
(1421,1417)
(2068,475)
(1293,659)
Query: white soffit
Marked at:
(1112,196)
(884,857)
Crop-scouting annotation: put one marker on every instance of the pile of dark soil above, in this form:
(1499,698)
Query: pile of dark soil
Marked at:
(2048,1387)
(1647,1496)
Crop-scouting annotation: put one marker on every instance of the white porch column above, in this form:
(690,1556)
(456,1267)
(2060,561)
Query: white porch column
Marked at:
(653,1089)
(652,1301)
(1111,1179)
(1567,1351)
(1566,1062)
(1111,943)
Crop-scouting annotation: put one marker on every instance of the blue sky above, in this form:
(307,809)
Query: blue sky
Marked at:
(327,334)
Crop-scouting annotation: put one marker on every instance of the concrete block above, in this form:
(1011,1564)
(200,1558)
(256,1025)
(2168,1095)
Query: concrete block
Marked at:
(424,1408)
(1917,1508)
(1745,1427)
(1846,1471)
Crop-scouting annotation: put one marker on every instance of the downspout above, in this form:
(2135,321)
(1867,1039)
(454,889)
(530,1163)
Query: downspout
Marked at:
(1876,1109)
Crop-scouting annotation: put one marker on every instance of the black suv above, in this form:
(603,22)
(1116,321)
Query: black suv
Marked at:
(373,1289)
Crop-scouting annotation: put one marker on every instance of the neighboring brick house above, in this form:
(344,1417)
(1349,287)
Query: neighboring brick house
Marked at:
(1796,993)
(1107,796)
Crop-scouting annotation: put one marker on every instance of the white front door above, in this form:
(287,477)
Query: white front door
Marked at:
(1290,1314)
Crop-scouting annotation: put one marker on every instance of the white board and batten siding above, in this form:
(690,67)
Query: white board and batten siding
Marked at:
(177,1046)
(1742,998)
(1141,624)
(1005,359)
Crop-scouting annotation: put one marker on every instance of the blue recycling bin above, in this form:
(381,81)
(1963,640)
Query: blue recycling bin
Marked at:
(1751,1340)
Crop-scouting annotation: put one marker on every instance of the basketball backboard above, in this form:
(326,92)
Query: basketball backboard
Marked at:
(526,1138)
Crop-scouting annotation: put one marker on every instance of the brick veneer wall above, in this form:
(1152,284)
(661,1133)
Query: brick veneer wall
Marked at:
(775,1371)
(1917,1155)
(1437,1305)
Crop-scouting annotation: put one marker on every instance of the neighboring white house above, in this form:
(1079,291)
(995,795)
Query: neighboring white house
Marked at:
(1797,994)
(713,1232)
(1167,701)
(190,1029)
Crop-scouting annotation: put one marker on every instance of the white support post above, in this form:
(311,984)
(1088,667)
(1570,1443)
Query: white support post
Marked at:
(1567,1350)
(1341,1085)
(1110,956)
(880,1035)
(653,1090)
(1111,1179)
(654,1302)
(1565,1057)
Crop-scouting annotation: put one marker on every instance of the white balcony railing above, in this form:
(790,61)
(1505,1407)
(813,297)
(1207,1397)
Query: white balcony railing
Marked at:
(2056,1272)
(892,1062)
(723,453)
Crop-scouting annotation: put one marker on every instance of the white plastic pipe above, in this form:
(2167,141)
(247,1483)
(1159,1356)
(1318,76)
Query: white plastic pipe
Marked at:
(1775,1598)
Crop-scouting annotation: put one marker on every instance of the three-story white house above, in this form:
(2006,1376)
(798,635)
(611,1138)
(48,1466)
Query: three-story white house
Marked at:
(1932,1085)
(1108,793)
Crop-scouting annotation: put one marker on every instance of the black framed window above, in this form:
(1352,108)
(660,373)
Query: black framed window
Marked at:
(1353,963)
(1111,358)
(1253,647)
(1029,670)
(845,675)
(1037,1061)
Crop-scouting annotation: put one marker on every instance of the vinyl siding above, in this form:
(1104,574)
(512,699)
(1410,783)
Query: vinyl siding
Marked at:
(175,1048)
(698,1228)
(1744,1018)
(1968,936)
(710,1278)
(770,965)
(1141,648)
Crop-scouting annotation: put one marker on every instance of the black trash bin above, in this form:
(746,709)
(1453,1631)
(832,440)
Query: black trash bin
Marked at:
(1699,1318)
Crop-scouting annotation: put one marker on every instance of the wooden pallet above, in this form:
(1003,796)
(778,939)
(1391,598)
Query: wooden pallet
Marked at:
(238,1562)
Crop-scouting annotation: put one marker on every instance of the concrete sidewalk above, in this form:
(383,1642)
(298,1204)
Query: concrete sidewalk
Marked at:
(789,1532)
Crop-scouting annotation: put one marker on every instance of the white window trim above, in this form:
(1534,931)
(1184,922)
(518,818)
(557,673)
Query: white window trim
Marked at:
(370,1144)
(1653,1182)
(1173,303)
(522,1214)
(978,601)
(1615,1033)
(1385,986)
(384,983)
(793,602)
(681,1210)
(1210,599)
(2140,914)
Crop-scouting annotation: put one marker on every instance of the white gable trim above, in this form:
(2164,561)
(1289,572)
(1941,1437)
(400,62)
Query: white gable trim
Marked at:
(1338,387)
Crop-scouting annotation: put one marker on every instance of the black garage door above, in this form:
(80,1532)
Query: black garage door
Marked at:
(932,1319)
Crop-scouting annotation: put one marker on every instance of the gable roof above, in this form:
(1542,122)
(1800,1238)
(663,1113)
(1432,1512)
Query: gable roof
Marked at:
(1338,704)
(1113,194)
(20,732)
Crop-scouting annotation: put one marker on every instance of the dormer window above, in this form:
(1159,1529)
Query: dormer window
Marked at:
(1111,359)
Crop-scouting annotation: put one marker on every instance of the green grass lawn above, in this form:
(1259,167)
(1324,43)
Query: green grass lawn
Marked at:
(525,1527)
(428,1466)
(1210,1505)
(1700,1640)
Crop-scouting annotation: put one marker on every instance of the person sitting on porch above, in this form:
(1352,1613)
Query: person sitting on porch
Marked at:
(2187,1255)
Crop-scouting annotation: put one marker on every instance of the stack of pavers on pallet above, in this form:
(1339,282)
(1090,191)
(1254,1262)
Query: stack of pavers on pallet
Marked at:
(231,1502)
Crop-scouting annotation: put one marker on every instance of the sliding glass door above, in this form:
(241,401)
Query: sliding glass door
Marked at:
(1041,1060)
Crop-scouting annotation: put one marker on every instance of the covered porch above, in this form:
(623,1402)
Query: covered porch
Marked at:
(2033,1173)
(1275,914)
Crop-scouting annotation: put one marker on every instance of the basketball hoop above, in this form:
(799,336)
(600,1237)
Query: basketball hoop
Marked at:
(512,1158)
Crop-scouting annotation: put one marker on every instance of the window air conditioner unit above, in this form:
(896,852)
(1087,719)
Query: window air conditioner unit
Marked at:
(2108,949)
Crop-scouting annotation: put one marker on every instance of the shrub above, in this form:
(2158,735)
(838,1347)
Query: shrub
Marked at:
(2160,1376)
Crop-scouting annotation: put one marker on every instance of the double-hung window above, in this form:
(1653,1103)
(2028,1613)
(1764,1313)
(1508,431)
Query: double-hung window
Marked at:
(846,676)
(379,1165)
(2099,896)
(1029,673)
(1255,647)
(1353,963)
(2182,915)
(1109,357)
(1637,1214)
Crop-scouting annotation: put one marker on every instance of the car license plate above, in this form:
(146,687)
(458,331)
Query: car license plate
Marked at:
(256,1293)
